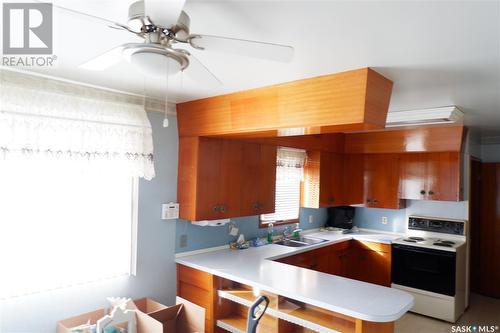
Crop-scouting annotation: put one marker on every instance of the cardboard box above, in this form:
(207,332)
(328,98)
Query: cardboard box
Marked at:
(184,317)
(152,317)
(65,326)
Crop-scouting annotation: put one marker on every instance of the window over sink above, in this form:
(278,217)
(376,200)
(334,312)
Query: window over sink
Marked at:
(289,174)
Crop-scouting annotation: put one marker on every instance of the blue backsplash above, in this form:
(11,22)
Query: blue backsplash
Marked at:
(206,237)
(371,218)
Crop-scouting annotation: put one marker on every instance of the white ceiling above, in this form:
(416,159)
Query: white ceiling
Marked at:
(437,53)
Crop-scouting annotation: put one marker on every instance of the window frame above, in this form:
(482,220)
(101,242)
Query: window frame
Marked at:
(264,224)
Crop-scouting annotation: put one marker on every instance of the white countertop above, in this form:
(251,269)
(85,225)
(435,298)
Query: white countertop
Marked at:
(255,267)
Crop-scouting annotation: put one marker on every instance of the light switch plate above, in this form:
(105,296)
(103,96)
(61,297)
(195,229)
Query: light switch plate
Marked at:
(170,211)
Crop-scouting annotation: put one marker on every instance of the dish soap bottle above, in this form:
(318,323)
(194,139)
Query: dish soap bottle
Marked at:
(270,232)
(296,231)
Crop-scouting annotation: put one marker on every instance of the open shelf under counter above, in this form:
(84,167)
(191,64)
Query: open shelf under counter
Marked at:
(238,324)
(309,317)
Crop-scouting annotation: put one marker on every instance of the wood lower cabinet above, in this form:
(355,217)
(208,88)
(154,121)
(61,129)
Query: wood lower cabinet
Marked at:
(371,262)
(431,176)
(224,178)
(317,260)
(359,260)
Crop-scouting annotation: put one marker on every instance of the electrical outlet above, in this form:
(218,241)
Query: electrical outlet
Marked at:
(183,241)
(311,218)
(384,220)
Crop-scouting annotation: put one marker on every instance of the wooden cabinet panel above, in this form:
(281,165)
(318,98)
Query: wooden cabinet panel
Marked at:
(230,179)
(225,178)
(381,181)
(258,179)
(371,262)
(267,179)
(208,178)
(353,179)
(359,260)
(413,176)
(431,176)
(443,176)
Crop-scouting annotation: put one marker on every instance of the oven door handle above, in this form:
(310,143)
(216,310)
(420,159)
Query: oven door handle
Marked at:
(410,248)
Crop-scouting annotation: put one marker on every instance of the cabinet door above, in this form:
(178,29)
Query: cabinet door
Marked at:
(413,176)
(230,179)
(208,179)
(258,179)
(443,176)
(331,180)
(250,190)
(381,177)
(267,179)
(352,182)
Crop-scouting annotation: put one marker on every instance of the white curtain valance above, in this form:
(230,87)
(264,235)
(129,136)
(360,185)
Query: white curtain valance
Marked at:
(48,118)
(290,163)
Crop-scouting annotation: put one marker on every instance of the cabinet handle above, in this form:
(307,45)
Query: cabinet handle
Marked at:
(257,206)
(422,192)
(431,192)
(331,200)
(216,208)
(375,202)
(369,201)
(222,208)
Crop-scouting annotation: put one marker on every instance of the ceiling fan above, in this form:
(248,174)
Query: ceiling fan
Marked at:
(163,25)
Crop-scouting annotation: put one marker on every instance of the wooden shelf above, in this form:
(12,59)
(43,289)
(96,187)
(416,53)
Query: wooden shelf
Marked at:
(238,324)
(312,318)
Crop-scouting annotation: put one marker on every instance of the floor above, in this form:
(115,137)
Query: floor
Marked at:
(482,311)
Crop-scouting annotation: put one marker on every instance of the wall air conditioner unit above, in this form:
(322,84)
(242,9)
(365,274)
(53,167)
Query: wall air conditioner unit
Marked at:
(441,115)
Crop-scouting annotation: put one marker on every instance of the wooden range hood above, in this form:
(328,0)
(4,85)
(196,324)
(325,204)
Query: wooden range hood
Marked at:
(355,100)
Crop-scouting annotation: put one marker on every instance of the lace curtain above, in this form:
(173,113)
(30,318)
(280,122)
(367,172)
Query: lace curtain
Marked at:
(46,118)
(290,163)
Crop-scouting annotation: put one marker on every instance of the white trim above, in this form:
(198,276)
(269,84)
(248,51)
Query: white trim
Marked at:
(135,223)
(201,251)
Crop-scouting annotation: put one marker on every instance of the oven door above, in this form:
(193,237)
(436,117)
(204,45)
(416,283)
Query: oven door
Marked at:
(425,269)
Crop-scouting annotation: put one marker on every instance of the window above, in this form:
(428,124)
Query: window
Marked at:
(289,174)
(62,223)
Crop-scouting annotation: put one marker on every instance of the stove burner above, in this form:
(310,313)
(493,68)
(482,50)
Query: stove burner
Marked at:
(443,244)
(409,240)
(418,239)
(447,242)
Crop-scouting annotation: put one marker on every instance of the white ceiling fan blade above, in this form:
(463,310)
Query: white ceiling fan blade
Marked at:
(164,13)
(200,73)
(250,48)
(89,16)
(105,60)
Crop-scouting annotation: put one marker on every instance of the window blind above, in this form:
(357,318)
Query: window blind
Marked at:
(289,174)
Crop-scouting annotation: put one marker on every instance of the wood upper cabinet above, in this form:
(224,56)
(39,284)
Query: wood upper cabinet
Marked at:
(323,180)
(353,179)
(431,176)
(217,180)
(381,181)
(258,179)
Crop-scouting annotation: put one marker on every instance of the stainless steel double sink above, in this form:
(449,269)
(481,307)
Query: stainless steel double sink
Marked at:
(300,241)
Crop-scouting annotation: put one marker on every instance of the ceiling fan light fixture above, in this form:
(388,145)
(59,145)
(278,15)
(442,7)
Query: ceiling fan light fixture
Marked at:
(156,60)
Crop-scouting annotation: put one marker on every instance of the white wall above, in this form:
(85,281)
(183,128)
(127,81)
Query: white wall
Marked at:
(156,276)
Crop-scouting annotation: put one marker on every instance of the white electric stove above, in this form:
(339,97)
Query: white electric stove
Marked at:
(430,263)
